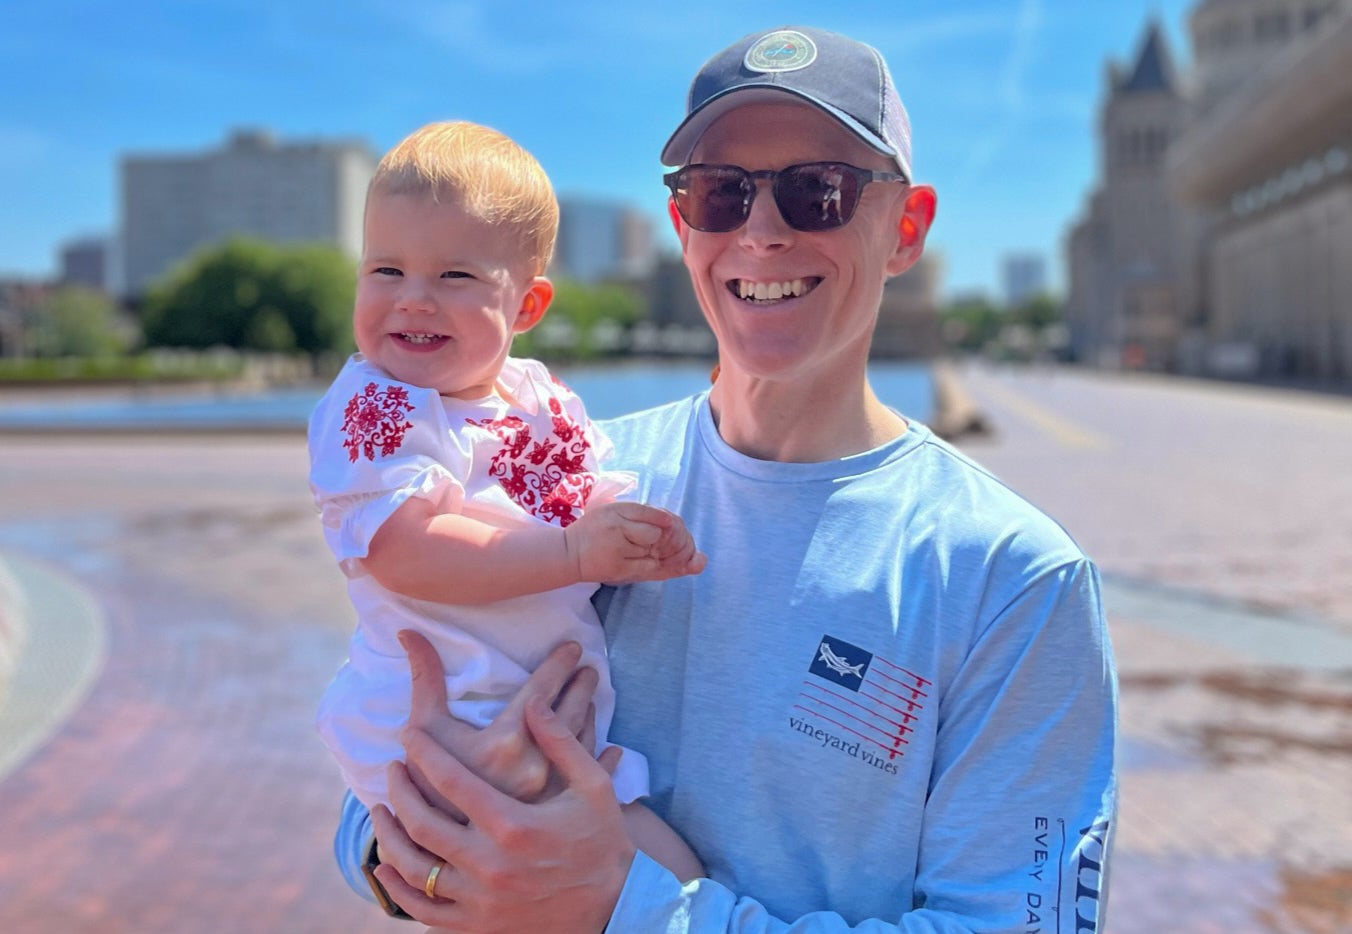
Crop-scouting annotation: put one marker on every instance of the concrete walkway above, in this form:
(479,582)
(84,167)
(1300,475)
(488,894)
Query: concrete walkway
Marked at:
(163,774)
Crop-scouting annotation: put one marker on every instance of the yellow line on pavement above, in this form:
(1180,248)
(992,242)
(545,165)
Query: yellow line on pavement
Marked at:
(1061,430)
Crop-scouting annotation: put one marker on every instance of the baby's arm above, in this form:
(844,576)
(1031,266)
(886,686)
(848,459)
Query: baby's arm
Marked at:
(428,555)
(655,837)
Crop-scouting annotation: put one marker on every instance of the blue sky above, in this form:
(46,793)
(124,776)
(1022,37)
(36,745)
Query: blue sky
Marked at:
(1003,95)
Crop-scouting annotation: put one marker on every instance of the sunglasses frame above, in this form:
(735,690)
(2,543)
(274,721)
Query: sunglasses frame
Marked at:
(862,177)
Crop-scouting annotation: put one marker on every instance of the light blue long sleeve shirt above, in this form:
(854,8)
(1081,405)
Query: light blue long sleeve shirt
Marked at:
(888,704)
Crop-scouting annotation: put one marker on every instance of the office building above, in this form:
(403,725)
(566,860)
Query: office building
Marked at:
(1270,170)
(85,262)
(256,186)
(602,240)
(1217,239)
(1025,276)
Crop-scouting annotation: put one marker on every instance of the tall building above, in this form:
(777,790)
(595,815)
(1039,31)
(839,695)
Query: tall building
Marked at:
(602,240)
(1218,238)
(84,262)
(1126,255)
(173,205)
(1025,275)
(908,319)
(1269,168)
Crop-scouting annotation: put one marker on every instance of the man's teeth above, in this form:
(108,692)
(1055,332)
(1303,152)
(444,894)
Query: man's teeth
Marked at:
(768,291)
(420,338)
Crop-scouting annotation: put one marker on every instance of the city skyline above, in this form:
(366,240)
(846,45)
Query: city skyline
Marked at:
(1003,99)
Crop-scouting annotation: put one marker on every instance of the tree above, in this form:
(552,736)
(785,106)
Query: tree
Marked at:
(1038,311)
(580,312)
(79,322)
(255,295)
(970,324)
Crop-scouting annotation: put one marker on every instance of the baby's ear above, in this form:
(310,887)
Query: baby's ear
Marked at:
(533,304)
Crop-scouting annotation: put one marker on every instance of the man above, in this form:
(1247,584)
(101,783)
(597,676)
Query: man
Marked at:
(888,703)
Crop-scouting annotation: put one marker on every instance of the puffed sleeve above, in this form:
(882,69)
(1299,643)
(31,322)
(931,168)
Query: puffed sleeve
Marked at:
(374,443)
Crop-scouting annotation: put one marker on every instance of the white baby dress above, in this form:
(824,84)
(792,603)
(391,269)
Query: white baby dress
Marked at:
(375,442)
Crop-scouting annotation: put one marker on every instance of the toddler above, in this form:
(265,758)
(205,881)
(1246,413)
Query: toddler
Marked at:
(460,488)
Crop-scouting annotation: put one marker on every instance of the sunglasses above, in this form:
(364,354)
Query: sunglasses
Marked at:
(811,197)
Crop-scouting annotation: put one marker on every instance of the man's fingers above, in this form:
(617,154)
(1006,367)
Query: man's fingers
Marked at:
(438,914)
(479,801)
(428,702)
(402,860)
(587,737)
(431,795)
(609,759)
(574,763)
(430,830)
(574,707)
(546,681)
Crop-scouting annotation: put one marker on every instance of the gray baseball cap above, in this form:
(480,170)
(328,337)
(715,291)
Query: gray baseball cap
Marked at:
(847,79)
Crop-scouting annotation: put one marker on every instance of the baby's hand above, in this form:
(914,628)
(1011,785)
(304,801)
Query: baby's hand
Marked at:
(627,542)
(675,552)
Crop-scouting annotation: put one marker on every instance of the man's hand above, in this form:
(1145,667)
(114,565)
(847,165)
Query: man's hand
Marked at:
(503,753)
(622,543)
(554,865)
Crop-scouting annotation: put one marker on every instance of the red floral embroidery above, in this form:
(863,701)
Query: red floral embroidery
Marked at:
(547,478)
(375,419)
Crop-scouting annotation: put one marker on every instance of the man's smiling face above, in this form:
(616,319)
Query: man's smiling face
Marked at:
(785,304)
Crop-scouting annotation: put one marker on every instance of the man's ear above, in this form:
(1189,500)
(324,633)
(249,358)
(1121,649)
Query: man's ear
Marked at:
(533,304)
(677,222)
(912,227)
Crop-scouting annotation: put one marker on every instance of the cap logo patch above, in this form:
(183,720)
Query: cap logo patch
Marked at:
(781,50)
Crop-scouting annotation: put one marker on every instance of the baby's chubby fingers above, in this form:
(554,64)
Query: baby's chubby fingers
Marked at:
(644,525)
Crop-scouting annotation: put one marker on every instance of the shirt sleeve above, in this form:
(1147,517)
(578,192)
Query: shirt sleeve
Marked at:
(1022,795)
(352,843)
(373,445)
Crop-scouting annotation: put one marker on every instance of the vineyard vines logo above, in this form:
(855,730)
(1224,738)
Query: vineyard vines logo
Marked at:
(837,664)
(859,704)
(781,50)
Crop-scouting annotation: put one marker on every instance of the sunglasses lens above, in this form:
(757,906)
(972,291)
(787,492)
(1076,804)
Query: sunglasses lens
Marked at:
(818,196)
(713,198)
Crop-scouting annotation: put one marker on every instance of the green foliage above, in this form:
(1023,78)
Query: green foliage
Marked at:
(971,324)
(579,319)
(269,330)
(978,325)
(255,295)
(1038,312)
(79,322)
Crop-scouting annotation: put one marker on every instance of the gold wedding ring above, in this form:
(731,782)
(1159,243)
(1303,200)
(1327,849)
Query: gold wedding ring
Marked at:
(430,887)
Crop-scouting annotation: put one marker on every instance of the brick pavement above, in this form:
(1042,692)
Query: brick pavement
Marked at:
(1223,516)
(188,791)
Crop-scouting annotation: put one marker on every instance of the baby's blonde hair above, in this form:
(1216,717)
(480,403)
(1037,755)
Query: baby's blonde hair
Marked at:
(488,173)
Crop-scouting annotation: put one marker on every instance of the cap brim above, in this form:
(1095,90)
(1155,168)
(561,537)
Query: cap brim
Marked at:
(682,143)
